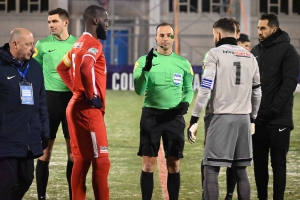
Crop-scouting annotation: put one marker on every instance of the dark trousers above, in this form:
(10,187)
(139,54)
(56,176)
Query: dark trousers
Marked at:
(16,176)
(276,140)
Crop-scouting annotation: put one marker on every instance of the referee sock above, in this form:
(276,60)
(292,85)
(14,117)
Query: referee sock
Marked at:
(173,185)
(42,175)
(69,174)
(147,185)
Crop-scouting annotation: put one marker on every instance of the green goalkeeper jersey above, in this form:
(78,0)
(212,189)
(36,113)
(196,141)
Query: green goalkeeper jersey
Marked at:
(49,52)
(169,82)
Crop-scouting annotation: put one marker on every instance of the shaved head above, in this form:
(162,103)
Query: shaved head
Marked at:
(96,21)
(21,44)
(93,11)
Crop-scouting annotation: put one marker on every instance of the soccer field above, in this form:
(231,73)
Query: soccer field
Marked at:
(122,120)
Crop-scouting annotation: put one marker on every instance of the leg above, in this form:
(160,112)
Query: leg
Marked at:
(100,178)
(260,157)
(69,168)
(42,171)
(230,183)
(8,174)
(25,178)
(146,180)
(80,170)
(173,182)
(202,178)
(243,185)
(64,100)
(211,185)
(280,141)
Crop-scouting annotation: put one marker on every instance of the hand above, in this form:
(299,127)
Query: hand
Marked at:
(149,58)
(192,132)
(183,108)
(252,125)
(45,142)
(96,102)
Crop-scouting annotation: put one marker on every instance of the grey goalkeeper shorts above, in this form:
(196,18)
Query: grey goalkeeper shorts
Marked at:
(228,141)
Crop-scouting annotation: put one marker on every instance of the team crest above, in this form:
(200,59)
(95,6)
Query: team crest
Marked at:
(177,78)
(92,50)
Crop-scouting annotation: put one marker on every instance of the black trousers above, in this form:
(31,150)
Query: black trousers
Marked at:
(16,176)
(276,140)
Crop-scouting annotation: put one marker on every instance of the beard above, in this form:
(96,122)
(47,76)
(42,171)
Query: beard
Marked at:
(101,33)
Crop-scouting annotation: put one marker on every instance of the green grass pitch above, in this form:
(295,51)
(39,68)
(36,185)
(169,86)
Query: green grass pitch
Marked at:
(122,120)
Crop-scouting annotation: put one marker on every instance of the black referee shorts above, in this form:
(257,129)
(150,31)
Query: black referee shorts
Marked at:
(166,124)
(57,103)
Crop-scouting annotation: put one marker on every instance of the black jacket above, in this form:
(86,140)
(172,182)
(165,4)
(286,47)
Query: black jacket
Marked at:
(279,69)
(21,126)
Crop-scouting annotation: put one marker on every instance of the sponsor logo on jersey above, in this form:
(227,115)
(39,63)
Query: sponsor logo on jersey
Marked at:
(242,54)
(207,83)
(177,78)
(78,45)
(92,50)
(36,52)
(238,53)
(103,149)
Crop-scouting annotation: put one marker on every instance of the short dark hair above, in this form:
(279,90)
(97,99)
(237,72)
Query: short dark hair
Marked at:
(164,24)
(61,12)
(243,38)
(227,25)
(272,19)
(93,11)
(237,25)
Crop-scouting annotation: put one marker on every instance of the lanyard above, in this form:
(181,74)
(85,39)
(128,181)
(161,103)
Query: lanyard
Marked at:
(23,74)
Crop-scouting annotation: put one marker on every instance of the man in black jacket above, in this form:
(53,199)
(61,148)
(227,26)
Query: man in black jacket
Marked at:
(279,68)
(24,125)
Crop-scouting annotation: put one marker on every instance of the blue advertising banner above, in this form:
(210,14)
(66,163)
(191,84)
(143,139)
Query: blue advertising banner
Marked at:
(120,77)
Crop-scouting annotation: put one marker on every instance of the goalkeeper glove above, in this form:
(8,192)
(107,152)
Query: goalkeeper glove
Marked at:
(149,58)
(192,129)
(183,108)
(192,132)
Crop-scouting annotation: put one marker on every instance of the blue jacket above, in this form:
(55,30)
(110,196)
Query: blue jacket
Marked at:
(21,126)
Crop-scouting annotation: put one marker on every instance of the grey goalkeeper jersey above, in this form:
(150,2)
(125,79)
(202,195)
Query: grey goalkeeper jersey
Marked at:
(231,79)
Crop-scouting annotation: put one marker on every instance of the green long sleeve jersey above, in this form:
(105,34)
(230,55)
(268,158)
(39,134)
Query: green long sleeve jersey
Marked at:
(169,82)
(49,52)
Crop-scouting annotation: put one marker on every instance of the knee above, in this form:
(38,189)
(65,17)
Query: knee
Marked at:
(173,165)
(103,164)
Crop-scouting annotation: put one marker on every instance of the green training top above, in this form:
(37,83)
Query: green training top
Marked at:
(169,82)
(49,52)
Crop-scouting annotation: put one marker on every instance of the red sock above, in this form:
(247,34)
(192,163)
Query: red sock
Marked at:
(100,178)
(79,172)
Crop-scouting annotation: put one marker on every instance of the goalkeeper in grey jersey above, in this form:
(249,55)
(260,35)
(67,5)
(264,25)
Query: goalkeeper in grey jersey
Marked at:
(231,80)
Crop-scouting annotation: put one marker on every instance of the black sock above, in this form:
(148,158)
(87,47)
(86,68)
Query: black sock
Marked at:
(69,174)
(230,183)
(173,185)
(147,185)
(42,175)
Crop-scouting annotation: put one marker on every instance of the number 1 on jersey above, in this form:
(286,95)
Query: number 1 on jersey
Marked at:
(237,72)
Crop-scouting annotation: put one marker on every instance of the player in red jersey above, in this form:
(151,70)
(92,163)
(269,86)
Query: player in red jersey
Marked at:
(83,70)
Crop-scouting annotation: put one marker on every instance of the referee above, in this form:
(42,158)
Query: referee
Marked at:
(166,80)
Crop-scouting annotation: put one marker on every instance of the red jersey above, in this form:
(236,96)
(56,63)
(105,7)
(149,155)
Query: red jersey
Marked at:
(91,82)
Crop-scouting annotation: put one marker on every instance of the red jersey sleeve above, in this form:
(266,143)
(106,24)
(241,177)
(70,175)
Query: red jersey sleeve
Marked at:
(88,71)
